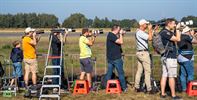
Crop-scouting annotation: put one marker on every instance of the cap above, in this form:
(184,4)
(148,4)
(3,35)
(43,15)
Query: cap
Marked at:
(29,29)
(186,29)
(143,21)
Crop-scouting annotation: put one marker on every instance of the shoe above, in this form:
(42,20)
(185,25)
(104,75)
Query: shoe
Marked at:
(163,96)
(176,98)
(125,90)
(137,90)
(55,90)
(151,92)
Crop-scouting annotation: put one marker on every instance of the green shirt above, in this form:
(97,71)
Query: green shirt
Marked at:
(85,50)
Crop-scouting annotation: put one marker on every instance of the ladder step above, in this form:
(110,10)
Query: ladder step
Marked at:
(52,76)
(50,96)
(44,86)
(53,66)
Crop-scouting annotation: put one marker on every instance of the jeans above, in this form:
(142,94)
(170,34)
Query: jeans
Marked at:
(118,64)
(186,73)
(17,69)
(56,71)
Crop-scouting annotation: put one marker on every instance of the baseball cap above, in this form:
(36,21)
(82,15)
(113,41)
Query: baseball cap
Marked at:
(186,29)
(143,21)
(29,29)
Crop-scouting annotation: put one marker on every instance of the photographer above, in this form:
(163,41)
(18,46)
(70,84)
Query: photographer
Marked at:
(29,42)
(143,55)
(57,39)
(114,55)
(169,36)
(85,54)
(186,57)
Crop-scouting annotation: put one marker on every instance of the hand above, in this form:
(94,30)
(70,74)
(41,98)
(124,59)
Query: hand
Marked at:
(156,29)
(122,32)
(178,26)
(150,26)
(192,32)
(34,34)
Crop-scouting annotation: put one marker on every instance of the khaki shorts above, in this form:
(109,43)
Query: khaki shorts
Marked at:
(169,67)
(31,65)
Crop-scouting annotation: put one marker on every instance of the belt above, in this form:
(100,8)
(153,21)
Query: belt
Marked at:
(142,50)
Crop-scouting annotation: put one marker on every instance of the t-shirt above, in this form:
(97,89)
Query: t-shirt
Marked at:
(141,40)
(29,50)
(85,50)
(114,50)
(166,35)
(16,55)
(56,46)
(185,48)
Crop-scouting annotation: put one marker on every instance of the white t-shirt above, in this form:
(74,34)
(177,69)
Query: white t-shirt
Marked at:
(142,38)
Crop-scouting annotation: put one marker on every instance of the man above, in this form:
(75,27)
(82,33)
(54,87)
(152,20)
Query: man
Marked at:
(29,42)
(114,55)
(169,35)
(57,40)
(186,57)
(85,55)
(143,56)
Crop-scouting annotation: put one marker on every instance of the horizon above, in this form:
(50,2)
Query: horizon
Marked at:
(119,9)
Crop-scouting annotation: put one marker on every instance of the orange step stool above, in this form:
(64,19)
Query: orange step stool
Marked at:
(192,88)
(81,87)
(113,87)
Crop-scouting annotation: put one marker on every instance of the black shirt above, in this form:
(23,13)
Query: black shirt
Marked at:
(166,35)
(16,55)
(114,50)
(186,45)
(56,46)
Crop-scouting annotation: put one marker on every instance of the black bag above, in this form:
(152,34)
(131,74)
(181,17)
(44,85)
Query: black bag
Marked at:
(1,70)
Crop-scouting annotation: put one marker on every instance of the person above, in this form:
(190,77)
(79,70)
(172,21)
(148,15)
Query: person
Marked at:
(143,55)
(186,57)
(16,57)
(169,36)
(114,55)
(86,40)
(56,43)
(29,42)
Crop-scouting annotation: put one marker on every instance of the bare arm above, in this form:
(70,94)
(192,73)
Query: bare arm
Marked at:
(91,41)
(176,38)
(194,40)
(150,32)
(34,40)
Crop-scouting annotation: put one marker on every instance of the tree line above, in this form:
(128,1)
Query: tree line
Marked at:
(77,20)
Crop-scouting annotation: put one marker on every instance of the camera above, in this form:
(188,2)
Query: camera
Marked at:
(127,29)
(195,30)
(58,30)
(187,23)
(161,24)
(71,30)
(39,31)
(97,32)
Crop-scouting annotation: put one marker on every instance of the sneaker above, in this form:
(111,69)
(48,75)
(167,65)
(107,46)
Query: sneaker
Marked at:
(151,92)
(163,96)
(137,90)
(125,90)
(176,98)
(55,90)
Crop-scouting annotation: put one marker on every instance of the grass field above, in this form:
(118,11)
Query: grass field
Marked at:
(71,59)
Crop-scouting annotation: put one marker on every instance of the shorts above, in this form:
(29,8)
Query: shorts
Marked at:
(17,69)
(86,66)
(169,67)
(31,65)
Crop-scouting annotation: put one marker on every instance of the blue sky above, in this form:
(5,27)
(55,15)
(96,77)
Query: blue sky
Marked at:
(113,9)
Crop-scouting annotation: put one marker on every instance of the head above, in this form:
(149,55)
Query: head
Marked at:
(29,31)
(170,24)
(86,32)
(116,29)
(143,24)
(186,30)
(16,44)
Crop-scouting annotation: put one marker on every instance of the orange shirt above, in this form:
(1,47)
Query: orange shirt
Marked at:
(29,50)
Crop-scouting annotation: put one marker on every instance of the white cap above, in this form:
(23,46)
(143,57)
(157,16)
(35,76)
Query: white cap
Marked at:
(29,29)
(143,21)
(186,29)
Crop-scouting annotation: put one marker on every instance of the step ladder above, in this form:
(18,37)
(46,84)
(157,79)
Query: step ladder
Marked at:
(51,76)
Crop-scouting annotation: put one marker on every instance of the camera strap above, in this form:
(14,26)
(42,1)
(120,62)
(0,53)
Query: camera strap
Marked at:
(140,42)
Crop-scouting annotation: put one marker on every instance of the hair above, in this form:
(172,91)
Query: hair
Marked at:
(15,43)
(115,27)
(84,30)
(169,20)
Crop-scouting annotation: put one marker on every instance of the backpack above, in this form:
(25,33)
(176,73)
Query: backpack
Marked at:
(1,70)
(158,44)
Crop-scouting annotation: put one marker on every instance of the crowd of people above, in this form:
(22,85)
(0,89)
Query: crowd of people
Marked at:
(171,35)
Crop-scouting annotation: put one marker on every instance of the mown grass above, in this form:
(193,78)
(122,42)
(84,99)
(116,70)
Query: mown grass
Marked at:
(99,49)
